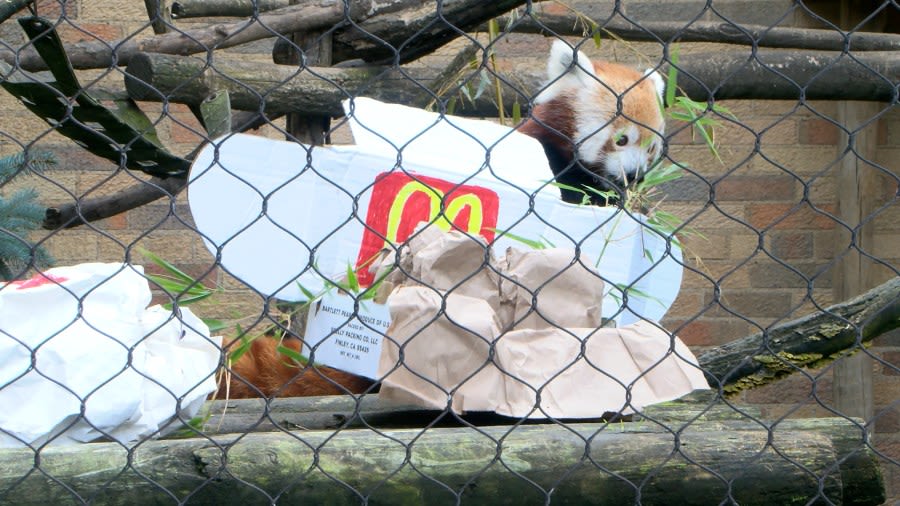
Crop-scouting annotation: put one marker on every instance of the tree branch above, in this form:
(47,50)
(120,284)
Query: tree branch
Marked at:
(572,25)
(10,7)
(323,14)
(138,194)
(225,8)
(705,31)
(776,75)
(808,341)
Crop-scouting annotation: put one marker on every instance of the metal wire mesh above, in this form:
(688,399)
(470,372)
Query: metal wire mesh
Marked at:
(784,133)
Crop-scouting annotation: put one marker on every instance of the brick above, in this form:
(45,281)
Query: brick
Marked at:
(756,188)
(71,247)
(57,8)
(819,131)
(771,274)
(709,331)
(688,304)
(800,160)
(791,245)
(756,305)
(81,32)
(789,216)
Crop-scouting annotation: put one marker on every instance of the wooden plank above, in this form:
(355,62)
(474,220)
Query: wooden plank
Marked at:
(857,184)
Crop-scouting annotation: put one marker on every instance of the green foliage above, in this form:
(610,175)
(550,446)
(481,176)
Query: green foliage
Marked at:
(21,213)
(181,287)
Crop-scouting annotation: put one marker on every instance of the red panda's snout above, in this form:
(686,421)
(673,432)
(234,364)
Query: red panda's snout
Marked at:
(601,124)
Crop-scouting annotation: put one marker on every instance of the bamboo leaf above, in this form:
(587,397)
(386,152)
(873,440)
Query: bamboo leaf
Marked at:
(292,354)
(171,269)
(672,81)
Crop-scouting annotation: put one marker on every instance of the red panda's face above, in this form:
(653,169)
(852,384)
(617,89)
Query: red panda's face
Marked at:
(610,113)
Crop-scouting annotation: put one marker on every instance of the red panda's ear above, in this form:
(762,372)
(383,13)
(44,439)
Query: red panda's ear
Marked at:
(658,83)
(567,69)
(566,62)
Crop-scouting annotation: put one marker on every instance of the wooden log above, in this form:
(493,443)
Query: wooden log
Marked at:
(10,7)
(225,8)
(570,24)
(320,90)
(347,411)
(805,342)
(615,464)
(157,77)
(321,14)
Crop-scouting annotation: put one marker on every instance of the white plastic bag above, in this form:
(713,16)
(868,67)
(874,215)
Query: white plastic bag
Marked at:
(84,335)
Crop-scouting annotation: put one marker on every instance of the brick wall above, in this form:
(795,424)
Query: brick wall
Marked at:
(770,235)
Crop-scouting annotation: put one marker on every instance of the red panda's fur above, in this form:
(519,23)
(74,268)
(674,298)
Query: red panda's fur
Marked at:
(585,109)
(264,371)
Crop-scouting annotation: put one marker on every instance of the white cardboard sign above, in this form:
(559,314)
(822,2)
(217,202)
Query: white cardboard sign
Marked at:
(340,337)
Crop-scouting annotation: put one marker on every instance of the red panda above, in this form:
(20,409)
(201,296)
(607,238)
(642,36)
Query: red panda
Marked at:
(600,123)
(264,371)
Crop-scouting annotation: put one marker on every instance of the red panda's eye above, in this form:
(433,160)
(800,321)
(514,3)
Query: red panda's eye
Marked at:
(622,140)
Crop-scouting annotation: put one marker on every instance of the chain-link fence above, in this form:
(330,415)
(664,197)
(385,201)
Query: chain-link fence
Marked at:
(308,252)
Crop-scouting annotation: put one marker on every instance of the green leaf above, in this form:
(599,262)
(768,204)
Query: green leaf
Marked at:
(516,112)
(244,347)
(595,34)
(306,293)
(171,269)
(292,354)
(528,242)
(672,81)
(352,280)
(214,325)
(451,105)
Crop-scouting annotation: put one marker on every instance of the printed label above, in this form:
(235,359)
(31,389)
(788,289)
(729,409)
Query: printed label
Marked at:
(338,337)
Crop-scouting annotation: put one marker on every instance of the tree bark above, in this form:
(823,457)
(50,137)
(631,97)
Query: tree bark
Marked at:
(651,31)
(317,90)
(389,38)
(705,31)
(487,466)
(10,7)
(813,76)
(321,14)
(225,8)
(805,342)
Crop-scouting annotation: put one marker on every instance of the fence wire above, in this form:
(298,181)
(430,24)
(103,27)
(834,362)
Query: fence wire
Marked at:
(722,211)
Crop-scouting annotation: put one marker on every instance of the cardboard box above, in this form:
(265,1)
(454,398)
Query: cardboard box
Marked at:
(284,217)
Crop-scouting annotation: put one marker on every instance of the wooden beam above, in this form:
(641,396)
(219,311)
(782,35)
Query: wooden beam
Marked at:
(857,182)
(701,462)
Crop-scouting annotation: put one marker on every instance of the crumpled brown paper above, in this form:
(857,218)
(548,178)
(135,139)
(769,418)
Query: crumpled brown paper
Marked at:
(520,335)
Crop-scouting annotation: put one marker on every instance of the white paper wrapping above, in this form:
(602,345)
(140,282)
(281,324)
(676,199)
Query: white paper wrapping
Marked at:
(131,367)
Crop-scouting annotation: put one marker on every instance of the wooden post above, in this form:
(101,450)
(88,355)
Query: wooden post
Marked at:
(856,184)
(316,46)
(160,15)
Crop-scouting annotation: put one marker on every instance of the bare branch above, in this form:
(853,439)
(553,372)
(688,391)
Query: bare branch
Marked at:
(225,8)
(807,341)
(323,14)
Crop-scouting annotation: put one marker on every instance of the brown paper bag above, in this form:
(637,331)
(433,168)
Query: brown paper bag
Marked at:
(432,356)
(540,315)
(551,289)
(621,371)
